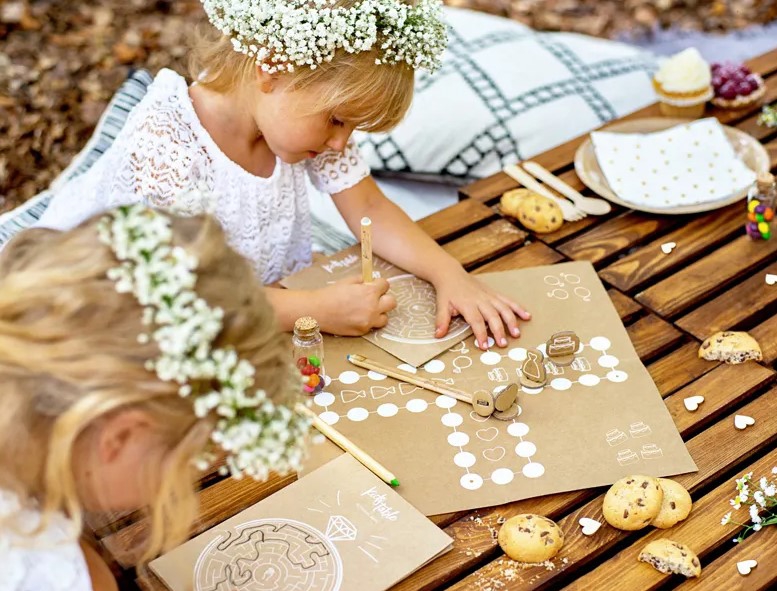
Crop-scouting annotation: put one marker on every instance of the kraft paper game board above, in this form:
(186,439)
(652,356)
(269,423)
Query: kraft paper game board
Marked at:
(596,420)
(409,334)
(338,529)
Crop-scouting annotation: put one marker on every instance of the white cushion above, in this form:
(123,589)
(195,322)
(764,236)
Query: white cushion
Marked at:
(506,93)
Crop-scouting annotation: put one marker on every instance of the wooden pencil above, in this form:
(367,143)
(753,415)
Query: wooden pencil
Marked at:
(404,376)
(366,250)
(349,446)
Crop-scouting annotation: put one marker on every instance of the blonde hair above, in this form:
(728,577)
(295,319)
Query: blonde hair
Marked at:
(70,356)
(373,97)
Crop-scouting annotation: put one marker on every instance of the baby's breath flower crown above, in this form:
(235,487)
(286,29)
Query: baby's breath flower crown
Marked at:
(257,435)
(284,34)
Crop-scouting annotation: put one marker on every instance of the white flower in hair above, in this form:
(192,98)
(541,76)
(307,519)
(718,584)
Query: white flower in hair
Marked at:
(257,435)
(283,34)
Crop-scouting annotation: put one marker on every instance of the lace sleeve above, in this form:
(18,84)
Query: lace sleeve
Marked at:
(164,163)
(332,172)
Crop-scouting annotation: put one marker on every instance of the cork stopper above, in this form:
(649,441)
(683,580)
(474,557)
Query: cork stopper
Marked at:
(305,326)
(765,181)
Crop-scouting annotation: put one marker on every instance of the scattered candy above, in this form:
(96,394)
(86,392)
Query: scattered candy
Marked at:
(314,361)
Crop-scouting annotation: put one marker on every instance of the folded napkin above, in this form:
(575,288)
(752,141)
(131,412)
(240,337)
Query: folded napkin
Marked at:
(687,164)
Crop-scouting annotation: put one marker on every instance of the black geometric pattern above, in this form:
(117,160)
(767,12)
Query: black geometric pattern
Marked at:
(493,141)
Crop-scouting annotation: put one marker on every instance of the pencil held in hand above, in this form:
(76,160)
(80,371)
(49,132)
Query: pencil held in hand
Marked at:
(366,250)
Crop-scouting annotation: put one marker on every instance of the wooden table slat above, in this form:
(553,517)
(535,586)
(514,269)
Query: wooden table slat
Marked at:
(455,219)
(534,254)
(737,305)
(692,238)
(485,243)
(766,335)
(702,279)
(713,450)
(651,336)
(678,368)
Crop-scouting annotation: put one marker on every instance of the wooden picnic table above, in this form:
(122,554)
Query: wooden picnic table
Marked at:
(713,280)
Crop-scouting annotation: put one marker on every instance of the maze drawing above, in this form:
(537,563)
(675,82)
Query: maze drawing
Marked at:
(270,555)
(356,397)
(413,320)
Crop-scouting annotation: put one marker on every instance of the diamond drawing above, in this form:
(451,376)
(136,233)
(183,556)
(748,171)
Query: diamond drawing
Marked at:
(340,529)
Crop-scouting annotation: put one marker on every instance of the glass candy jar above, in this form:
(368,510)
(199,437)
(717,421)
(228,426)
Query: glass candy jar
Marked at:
(308,348)
(760,207)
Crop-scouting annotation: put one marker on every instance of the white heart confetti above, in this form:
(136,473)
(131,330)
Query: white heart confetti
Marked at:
(771,279)
(692,402)
(668,247)
(746,566)
(590,526)
(743,421)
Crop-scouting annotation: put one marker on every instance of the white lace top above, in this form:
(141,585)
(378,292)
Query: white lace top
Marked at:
(163,150)
(48,561)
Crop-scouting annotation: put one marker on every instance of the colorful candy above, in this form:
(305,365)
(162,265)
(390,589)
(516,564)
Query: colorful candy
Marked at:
(310,368)
(758,217)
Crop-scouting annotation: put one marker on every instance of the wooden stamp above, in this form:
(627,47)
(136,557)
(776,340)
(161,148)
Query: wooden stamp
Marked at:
(562,346)
(508,414)
(505,399)
(533,374)
(483,403)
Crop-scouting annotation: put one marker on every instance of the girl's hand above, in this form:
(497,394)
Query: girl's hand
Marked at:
(353,308)
(482,308)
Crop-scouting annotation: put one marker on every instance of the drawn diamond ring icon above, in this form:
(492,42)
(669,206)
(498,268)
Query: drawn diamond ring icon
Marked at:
(340,529)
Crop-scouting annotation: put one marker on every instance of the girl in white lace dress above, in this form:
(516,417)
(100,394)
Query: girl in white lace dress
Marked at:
(280,90)
(87,424)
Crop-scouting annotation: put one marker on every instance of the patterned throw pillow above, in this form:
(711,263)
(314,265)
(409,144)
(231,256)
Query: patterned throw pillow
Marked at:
(506,93)
(112,120)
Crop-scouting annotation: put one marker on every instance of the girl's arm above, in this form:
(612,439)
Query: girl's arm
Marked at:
(100,574)
(396,238)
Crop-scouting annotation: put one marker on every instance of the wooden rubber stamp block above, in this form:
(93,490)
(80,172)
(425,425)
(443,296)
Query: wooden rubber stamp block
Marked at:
(562,346)
(504,399)
(533,373)
(483,403)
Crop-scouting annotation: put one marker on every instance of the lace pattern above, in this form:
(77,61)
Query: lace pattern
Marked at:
(164,151)
(50,560)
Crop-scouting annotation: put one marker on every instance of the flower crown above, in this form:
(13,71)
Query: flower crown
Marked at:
(257,435)
(283,34)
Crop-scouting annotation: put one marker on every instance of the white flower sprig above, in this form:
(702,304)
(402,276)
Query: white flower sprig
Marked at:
(283,34)
(257,435)
(768,116)
(761,503)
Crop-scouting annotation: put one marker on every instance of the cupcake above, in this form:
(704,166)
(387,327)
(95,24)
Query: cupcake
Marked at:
(683,84)
(735,86)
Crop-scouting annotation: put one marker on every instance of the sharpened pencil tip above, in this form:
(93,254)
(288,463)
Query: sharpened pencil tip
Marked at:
(394,482)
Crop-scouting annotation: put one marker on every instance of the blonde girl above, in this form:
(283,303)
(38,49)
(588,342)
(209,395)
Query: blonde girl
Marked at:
(281,86)
(116,341)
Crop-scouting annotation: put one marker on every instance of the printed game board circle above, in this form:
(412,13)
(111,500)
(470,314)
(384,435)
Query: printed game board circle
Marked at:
(435,366)
(502,476)
(526,449)
(387,410)
(458,439)
(490,358)
(518,429)
(327,381)
(471,481)
(608,361)
(446,402)
(464,459)
(561,384)
(533,470)
(617,376)
(358,414)
(532,391)
(374,375)
(348,377)
(517,354)
(452,419)
(417,405)
(329,417)
(407,367)
(324,399)
(490,342)
(600,343)
(542,349)
(589,379)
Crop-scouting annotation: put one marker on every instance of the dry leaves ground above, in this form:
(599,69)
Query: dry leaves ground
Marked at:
(60,62)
